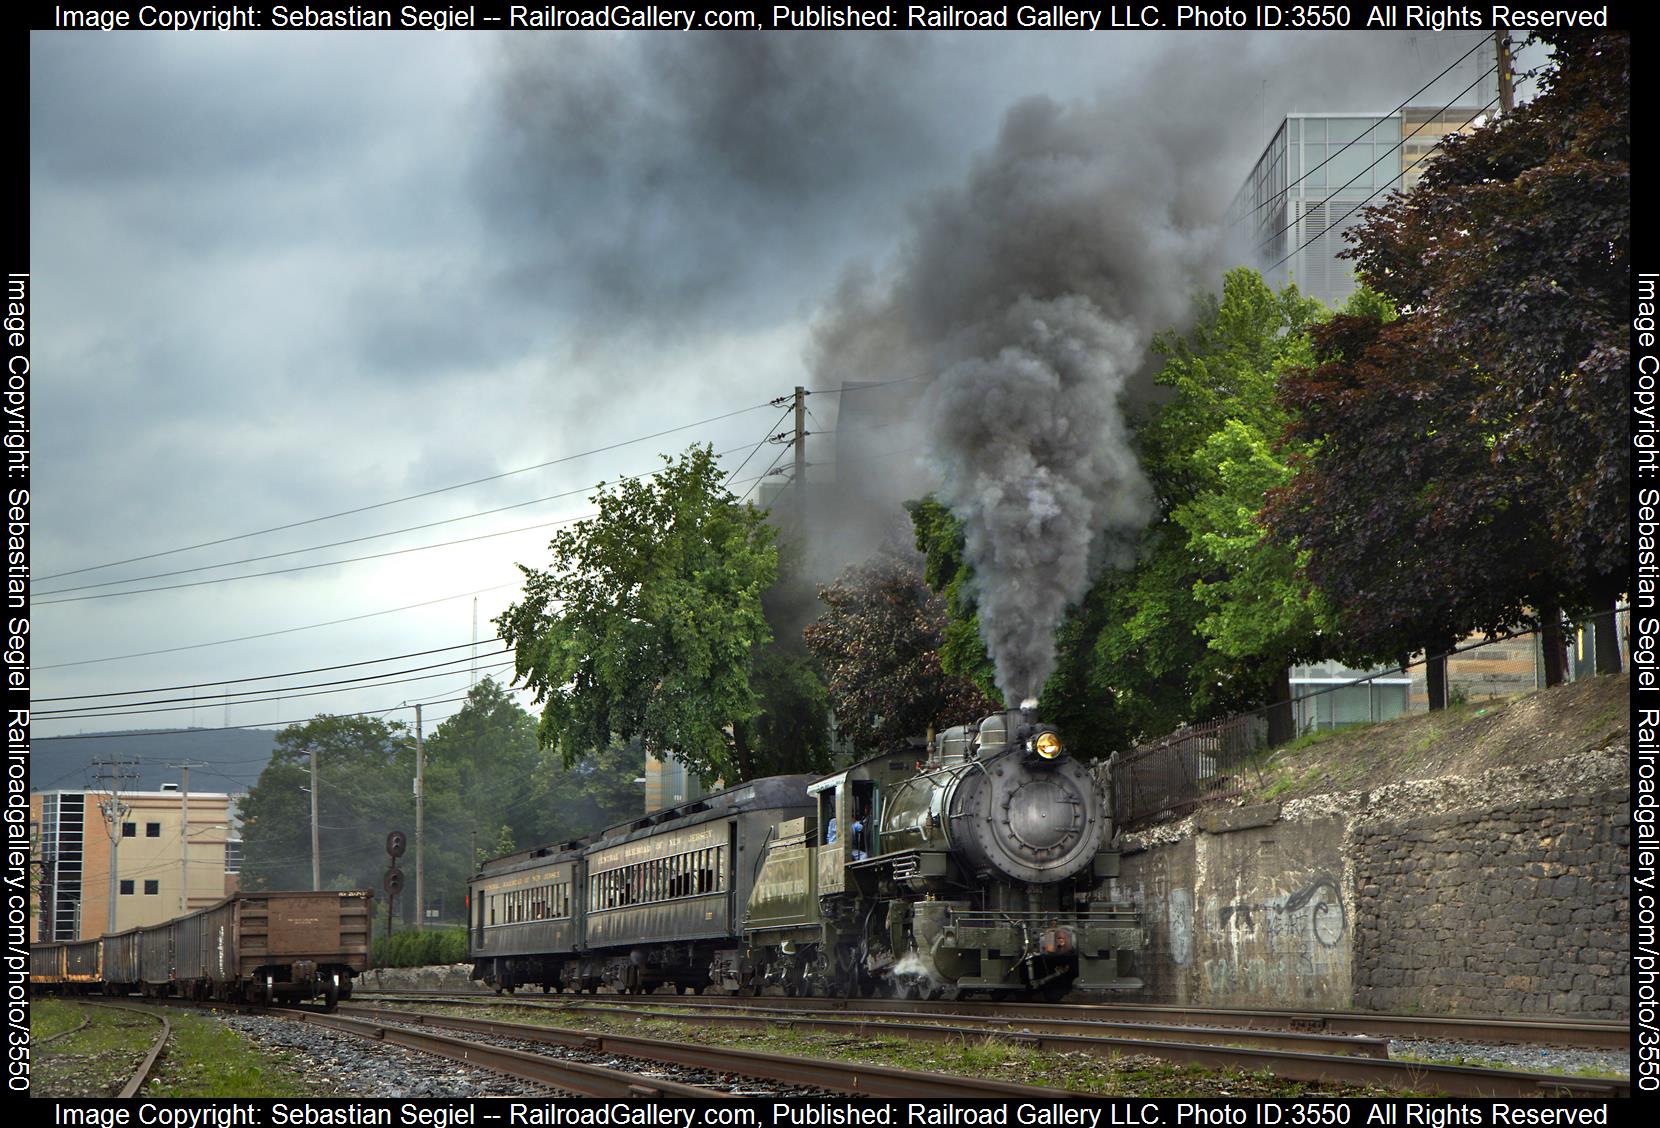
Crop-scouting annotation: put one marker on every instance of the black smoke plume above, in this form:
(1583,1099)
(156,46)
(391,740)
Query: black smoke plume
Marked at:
(1027,299)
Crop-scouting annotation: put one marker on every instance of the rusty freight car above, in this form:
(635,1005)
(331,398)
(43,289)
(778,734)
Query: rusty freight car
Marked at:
(290,945)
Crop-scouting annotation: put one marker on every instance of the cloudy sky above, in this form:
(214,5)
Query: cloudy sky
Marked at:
(278,277)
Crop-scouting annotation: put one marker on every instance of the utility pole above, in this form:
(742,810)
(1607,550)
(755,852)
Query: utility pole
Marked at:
(1507,89)
(420,805)
(184,833)
(316,853)
(114,773)
(801,458)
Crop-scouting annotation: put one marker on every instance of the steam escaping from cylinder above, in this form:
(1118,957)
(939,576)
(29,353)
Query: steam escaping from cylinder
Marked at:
(1027,300)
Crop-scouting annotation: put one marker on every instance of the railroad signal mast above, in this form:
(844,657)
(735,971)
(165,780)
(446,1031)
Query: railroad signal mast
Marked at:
(392,882)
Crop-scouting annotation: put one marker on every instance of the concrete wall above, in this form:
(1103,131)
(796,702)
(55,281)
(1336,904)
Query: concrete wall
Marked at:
(1247,916)
(1500,894)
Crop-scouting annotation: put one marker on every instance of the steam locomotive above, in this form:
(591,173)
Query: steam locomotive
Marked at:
(983,868)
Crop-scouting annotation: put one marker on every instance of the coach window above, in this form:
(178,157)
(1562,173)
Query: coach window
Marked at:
(827,814)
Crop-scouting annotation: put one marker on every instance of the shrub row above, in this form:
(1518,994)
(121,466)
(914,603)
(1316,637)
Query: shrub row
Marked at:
(417,949)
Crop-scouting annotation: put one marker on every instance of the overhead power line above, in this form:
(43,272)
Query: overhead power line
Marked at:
(354,540)
(1482,42)
(228,698)
(765,436)
(407,497)
(273,634)
(106,712)
(1336,223)
(782,451)
(146,733)
(343,560)
(271,677)
(862,387)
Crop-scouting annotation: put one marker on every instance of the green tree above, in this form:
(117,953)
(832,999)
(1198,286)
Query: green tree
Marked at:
(480,763)
(1398,507)
(1213,615)
(791,732)
(1514,253)
(648,622)
(365,767)
(879,640)
(945,569)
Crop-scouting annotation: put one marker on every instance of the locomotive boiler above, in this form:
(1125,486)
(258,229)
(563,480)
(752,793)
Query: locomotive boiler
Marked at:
(985,868)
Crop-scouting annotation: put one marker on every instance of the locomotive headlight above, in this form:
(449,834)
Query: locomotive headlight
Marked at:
(1048,745)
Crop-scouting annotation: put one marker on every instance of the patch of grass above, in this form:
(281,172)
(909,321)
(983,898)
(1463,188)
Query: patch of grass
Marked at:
(1309,740)
(96,1061)
(1468,1062)
(207,1059)
(51,1017)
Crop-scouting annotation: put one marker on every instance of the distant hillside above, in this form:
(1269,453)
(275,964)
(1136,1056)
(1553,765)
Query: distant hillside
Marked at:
(233,758)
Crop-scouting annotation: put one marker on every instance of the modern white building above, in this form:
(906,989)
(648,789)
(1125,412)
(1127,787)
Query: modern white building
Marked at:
(1319,173)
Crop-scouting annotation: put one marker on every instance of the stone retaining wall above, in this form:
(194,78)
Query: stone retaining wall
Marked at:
(1522,909)
(1499,893)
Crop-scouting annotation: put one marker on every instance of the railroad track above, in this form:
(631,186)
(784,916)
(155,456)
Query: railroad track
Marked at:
(1212,1047)
(853,1078)
(424,1033)
(939,1026)
(148,1064)
(1586,1034)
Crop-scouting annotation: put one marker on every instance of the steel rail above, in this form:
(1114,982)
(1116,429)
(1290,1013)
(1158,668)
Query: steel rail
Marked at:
(60,1034)
(856,1078)
(142,1073)
(1073,1034)
(575,1077)
(1519,1031)
(1524,1031)
(1291,1065)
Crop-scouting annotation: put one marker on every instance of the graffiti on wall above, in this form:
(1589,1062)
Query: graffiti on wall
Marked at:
(1316,909)
(1291,946)
(1179,907)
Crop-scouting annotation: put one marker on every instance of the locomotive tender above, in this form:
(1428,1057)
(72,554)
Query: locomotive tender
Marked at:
(985,868)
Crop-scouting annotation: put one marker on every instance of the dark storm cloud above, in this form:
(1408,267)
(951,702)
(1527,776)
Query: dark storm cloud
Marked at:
(650,178)
(281,275)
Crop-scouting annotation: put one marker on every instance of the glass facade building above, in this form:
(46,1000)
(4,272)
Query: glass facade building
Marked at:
(1315,179)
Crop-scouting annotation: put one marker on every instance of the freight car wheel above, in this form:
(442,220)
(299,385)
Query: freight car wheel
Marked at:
(331,993)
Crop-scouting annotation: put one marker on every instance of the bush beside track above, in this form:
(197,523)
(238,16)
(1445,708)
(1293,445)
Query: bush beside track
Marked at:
(418,949)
